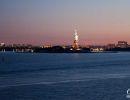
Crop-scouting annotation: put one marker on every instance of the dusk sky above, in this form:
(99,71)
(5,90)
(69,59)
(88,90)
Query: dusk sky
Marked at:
(53,21)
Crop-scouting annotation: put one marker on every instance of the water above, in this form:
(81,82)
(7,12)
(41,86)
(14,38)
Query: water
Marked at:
(89,76)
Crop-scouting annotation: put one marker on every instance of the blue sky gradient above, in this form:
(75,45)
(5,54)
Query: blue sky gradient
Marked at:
(53,21)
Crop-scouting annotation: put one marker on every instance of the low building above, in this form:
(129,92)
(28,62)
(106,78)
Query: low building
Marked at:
(97,48)
(110,46)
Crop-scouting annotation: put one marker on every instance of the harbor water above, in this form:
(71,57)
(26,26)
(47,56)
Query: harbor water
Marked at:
(64,76)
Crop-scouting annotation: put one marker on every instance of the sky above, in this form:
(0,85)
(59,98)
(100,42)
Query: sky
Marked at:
(53,21)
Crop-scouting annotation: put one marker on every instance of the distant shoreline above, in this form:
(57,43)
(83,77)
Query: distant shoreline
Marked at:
(63,49)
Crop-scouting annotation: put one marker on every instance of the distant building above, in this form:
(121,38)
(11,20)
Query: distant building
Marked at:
(110,46)
(97,48)
(46,46)
(2,44)
(16,45)
(122,44)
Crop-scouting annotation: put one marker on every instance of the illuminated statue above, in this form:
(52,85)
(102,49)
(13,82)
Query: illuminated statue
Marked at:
(76,45)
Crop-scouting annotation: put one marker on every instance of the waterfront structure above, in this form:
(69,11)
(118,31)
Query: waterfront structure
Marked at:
(97,48)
